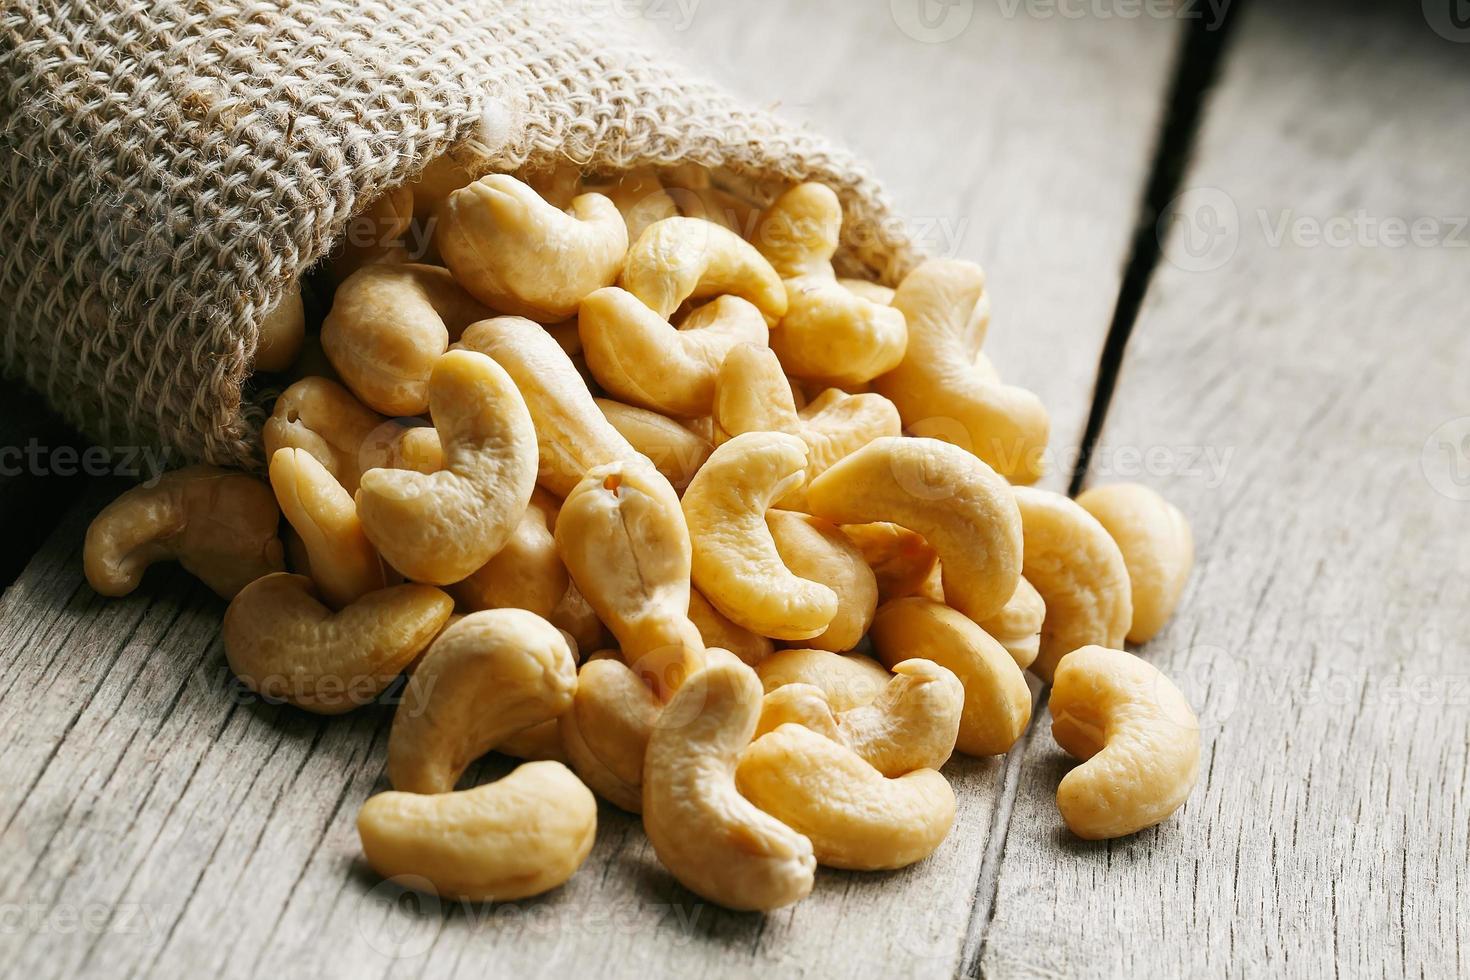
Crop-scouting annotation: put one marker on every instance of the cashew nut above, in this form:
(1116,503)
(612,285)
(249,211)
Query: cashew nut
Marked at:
(282,333)
(817,551)
(912,724)
(375,235)
(638,356)
(829,332)
(713,840)
(640,198)
(417,448)
(606,731)
(679,259)
(1077,568)
(526,573)
(937,389)
(441,527)
(440,177)
(997,700)
(576,618)
(736,564)
(326,420)
(717,631)
(283,643)
(387,328)
(675,449)
(1137,738)
(902,560)
(539,743)
(854,816)
(871,291)
(1017,627)
(343,562)
(962,508)
(1157,547)
(513,838)
(520,255)
(572,435)
(622,537)
(221,526)
(847,681)
(487,677)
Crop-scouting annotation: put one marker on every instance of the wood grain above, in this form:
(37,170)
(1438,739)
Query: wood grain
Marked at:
(1322,638)
(158,822)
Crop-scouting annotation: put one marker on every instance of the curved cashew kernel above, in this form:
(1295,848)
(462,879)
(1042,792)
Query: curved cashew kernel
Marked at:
(539,743)
(375,235)
(326,420)
(997,700)
(1157,547)
(282,333)
(817,551)
(526,573)
(488,676)
(572,435)
(343,562)
(221,526)
(902,560)
(605,733)
(718,844)
(871,291)
(937,389)
(283,643)
(388,326)
(717,631)
(1076,566)
(829,331)
(622,537)
(641,199)
(441,527)
(847,681)
(855,817)
(736,564)
(912,724)
(643,359)
(964,510)
(513,838)
(679,259)
(1137,738)
(577,619)
(1017,627)
(676,450)
(518,254)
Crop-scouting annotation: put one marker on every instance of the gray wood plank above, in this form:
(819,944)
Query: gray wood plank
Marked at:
(1322,638)
(214,834)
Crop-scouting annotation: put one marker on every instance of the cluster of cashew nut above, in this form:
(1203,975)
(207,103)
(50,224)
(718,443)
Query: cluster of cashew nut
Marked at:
(633,423)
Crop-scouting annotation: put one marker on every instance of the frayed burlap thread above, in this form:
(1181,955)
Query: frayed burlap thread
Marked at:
(171,168)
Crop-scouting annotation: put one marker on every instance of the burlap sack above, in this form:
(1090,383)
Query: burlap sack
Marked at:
(169,168)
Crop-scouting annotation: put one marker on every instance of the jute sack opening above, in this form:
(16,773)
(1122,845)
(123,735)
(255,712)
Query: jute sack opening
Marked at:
(171,168)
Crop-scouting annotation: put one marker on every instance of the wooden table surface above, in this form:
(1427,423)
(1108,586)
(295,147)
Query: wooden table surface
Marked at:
(1297,327)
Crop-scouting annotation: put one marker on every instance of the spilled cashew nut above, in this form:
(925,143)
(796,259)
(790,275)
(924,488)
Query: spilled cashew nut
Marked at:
(717,631)
(526,573)
(221,526)
(1017,627)
(680,259)
(675,449)
(605,732)
(846,681)
(343,562)
(325,419)
(641,199)
(1136,735)
(487,677)
(440,527)
(902,560)
(818,551)
(282,331)
(1157,548)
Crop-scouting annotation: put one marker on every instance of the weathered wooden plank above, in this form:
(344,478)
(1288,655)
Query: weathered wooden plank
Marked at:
(1322,636)
(214,834)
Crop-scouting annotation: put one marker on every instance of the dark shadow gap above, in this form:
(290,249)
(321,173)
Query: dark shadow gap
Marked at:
(42,474)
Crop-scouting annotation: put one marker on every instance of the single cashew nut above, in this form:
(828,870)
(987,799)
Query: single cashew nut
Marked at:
(440,177)
(572,435)
(871,291)
(282,332)
(1076,566)
(343,562)
(283,643)
(679,259)
(847,681)
(912,724)
(325,419)
(675,449)
(525,574)
(962,508)
(640,198)
(388,326)
(539,743)
(643,359)
(713,840)
(577,619)
(1017,627)
(819,552)
(221,526)
(717,631)
(605,732)
(1136,735)
(997,700)
(440,527)
(902,561)
(374,235)
(622,537)
(937,389)
(829,332)
(520,255)
(736,564)
(488,676)
(513,838)
(855,817)
(1157,547)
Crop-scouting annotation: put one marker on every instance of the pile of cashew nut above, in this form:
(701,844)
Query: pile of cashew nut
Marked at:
(621,479)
